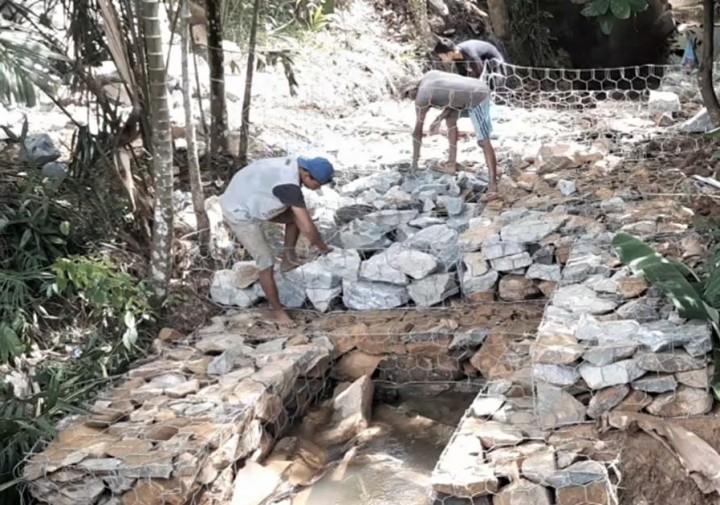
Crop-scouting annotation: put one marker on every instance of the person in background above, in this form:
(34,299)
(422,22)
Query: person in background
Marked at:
(271,190)
(469,57)
(454,94)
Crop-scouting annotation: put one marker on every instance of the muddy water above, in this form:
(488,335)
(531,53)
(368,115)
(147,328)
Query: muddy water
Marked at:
(394,469)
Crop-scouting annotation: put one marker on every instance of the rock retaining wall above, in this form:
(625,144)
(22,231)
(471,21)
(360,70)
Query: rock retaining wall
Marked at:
(173,432)
(615,344)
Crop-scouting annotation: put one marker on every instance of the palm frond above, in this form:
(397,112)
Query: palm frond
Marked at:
(27,64)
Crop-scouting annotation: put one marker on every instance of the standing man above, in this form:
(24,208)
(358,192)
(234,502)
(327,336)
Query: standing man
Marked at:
(469,57)
(455,95)
(270,190)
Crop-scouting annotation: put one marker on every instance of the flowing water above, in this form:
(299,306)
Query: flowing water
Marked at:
(394,469)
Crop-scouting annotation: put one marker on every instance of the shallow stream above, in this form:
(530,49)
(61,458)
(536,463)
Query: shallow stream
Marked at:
(396,467)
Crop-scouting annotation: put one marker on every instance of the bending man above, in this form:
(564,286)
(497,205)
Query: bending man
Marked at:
(455,95)
(270,190)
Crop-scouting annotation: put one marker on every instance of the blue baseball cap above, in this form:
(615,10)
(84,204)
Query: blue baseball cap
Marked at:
(319,168)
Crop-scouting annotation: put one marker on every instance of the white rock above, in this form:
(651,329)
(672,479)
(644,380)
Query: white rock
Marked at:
(433,289)
(378,268)
(480,284)
(415,264)
(566,187)
(544,272)
(699,123)
(225,289)
(663,101)
(362,295)
(344,263)
(616,374)
(322,298)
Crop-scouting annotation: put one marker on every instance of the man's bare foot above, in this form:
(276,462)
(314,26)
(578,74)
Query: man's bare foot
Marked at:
(490,196)
(282,319)
(287,264)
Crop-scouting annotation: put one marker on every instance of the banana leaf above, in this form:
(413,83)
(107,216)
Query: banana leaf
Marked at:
(671,277)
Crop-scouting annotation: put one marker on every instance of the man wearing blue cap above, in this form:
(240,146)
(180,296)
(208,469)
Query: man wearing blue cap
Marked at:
(270,190)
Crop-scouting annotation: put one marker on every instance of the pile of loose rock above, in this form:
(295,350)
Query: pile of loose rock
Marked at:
(615,344)
(416,239)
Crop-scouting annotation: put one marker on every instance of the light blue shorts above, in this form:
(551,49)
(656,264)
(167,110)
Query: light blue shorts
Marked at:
(480,117)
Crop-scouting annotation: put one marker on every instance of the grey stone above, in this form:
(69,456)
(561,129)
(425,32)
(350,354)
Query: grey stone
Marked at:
(523,492)
(612,205)
(584,261)
(640,309)
(55,170)
(323,298)
(225,362)
(663,101)
(439,7)
(223,290)
(273,346)
(454,205)
(342,263)
(544,272)
(682,402)
(390,219)
(425,221)
(313,275)
(610,352)
(471,339)
(544,256)
(118,485)
(85,492)
(656,384)
(39,149)
(363,235)
(479,230)
(362,295)
(100,465)
(601,284)
(699,123)
(415,264)
(556,349)
(606,399)
(147,468)
(486,406)
(493,434)
(380,181)
(513,262)
(566,187)
(581,299)
(695,378)
(347,213)
(439,240)
(378,268)
(557,375)
(433,289)
(481,284)
(291,288)
(397,197)
(493,249)
(615,374)
(556,407)
(669,362)
(531,229)
(579,474)
(538,467)
(589,328)
(475,264)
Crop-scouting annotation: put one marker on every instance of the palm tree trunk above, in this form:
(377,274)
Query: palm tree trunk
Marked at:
(498,12)
(245,127)
(196,189)
(162,159)
(707,90)
(218,108)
